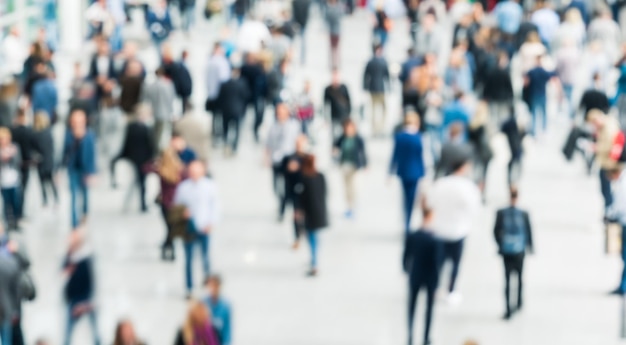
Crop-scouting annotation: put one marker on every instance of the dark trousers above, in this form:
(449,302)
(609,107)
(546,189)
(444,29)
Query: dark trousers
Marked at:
(141,181)
(409,190)
(605,187)
(514,170)
(185,102)
(414,289)
(25,175)
(278,181)
(46,180)
(513,264)
(259,114)
(292,199)
(453,250)
(11,201)
(17,336)
(230,124)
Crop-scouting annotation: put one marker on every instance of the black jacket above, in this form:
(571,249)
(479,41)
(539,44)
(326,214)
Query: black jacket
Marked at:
(498,229)
(131,92)
(300,9)
(80,285)
(23,137)
(179,74)
(313,202)
(43,145)
(339,100)
(255,78)
(138,145)
(93,68)
(594,99)
(361,159)
(376,75)
(232,98)
(422,259)
(292,178)
(498,86)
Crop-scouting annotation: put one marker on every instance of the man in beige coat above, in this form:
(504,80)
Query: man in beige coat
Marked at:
(195,131)
(607,128)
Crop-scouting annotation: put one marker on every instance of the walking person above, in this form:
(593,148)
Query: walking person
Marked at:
(314,207)
(407,162)
(43,147)
(160,96)
(10,164)
(455,201)
(23,137)
(382,25)
(79,286)
(300,10)
(159,23)
(349,150)
(187,10)
(281,142)
(178,73)
(454,146)
(376,81)
(45,95)
(536,80)
(198,194)
(292,173)
(9,282)
(220,309)
(131,84)
(231,104)
(514,136)
(218,72)
(513,235)
(423,254)
(253,73)
(198,327)
(79,156)
(334,13)
(337,100)
(607,129)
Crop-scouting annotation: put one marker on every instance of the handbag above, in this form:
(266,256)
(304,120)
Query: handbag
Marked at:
(28,291)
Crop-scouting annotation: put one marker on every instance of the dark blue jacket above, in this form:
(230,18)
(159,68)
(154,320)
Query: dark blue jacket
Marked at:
(87,152)
(79,287)
(159,28)
(423,256)
(407,161)
(179,74)
(45,97)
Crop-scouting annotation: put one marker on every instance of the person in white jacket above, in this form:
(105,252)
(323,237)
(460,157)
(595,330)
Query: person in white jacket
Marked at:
(455,201)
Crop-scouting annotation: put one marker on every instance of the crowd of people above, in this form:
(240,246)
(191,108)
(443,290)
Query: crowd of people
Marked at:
(441,150)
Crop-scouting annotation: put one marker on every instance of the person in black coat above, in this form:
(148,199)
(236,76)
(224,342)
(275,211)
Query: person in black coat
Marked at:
(594,98)
(515,136)
(43,146)
(102,70)
(300,10)
(313,205)
(138,148)
(22,136)
(498,91)
(254,75)
(231,102)
(375,81)
(180,76)
(337,97)
(422,260)
(292,174)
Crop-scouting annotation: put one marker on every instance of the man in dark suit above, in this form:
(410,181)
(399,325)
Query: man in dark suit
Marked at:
(375,81)
(178,73)
(513,235)
(23,137)
(422,260)
(407,162)
(231,102)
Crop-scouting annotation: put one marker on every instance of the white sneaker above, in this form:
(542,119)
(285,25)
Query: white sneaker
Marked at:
(454,298)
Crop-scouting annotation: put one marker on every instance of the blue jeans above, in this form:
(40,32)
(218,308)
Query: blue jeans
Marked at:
(622,285)
(72,320)
(116,39)
(78,190)
(409,190)
(568,90)
(311,236)
(380,36)
(538,112)
(11,202)
(6,332)
(302,45)
(605,188)
(203,240)
(188,17)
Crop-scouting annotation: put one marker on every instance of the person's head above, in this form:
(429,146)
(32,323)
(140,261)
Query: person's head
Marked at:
(125,334)
(214,284)
(282,112)
(76,239)
(302,143)
(378,50)
(349,128)
(573,16)
(41,122)
(336,78)
(130,50)
(177,142)
(218,49)
(198,317)
(134,68)
(196,170)
(21,118)
(308,165)
(462,166)
(78,123)
(410,52)
(412,120)
(161,4)
(184,55)
(456,130)
(503,59)
(430,59)
(167,54)
(5,137)
(538,60)
(456,59)
(429,21)
(596,118)
(533,37)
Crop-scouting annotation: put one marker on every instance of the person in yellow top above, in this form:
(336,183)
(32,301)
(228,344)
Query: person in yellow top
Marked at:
(607,128)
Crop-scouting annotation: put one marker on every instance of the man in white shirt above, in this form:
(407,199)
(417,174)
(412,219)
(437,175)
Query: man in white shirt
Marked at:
(13,53)
(252,35)
(198,194)
(455,201)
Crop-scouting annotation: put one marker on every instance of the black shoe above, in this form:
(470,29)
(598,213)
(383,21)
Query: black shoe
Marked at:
(617,292)
(507,316)
(312,272)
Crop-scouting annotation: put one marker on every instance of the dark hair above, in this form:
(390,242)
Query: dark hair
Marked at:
(308,165)
(215,278)
(513,193)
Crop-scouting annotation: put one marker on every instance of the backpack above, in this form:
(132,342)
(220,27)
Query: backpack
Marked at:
(514,235)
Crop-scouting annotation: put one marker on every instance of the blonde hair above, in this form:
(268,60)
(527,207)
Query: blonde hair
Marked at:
(5,133)
(170,166)
(533,37)
(41,122)
(412,118)
(573,16)
(8,90)
(197,315)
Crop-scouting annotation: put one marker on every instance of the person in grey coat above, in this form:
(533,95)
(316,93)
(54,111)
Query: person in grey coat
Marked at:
(10,295)
(428,36)
(160,95)
(375,80)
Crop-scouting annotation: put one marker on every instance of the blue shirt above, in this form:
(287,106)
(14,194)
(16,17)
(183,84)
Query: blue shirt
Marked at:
(187,156)
(220,316)
(538,79)
(455,112)
(45,96)
(509,15)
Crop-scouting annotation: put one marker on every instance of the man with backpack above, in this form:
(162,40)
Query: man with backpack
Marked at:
(514,236)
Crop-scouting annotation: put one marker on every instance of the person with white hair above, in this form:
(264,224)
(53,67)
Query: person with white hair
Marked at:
(13,52)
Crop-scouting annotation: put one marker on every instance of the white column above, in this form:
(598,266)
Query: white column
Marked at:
(71,17)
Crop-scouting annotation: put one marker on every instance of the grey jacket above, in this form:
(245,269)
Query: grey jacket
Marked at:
(376,75)
(160,95)
(9,286)
(428,42)
(333,18)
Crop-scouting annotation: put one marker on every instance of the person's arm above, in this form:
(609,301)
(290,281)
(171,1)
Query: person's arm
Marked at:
(367,76)
(497,229)
(529,233)
(347,95)
(394,158)
(90,153)
(363,152)
(406,256)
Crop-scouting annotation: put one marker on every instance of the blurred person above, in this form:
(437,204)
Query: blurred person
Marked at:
(198,194)
(118,20)
(423,254)
(407,162)
(14,52)
(498,92)
(547,21)
(314,206)
(349,150)
(606,31)
(412,61)
(454,112)
(220,309)
(617,212)
(333,15)
(218,71)
(515,135)
(428,36)
(568,59)
(465,30)
(421,80)
(434,7)
(376,81)
(79,286)
(102,71)
(537,80)
(253,35)
(300,10)
(598,62)
(253,73)
(239,9)
(137,148)
(280,45)
(36,54)
(305,109)
(451,149)
(160,96)
(620,94)
(23,137)
(187,9)
(572,30)
(276,82)
(179,145)
(131,84)
(129,54)
(159,23)
(9,101)
(458,75)
(513,235)
(231,104)
(281,142)
(292,172)
(10,164)
(43,147)
(606,128)
(337,101)
(194,131)
(509,15)
(436,97)
(45,95)
(178,73)
(482,153)
(530,50)
(382,25)
(455,201)
(84,94)
(79,156)
(125,334)
(100,19)
(594,98)
(38,73)
(198,327)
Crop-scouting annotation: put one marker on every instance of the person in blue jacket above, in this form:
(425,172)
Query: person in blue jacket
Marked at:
(79,156)
(407,162)
(159,23)
(220,309)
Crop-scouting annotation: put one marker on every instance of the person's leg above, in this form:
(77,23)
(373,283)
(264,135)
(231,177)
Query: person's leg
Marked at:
(74,182)
(430,303)
(544,115)
(520,284)
(534,110)
(409,188)
(6,332)
(42,184)
(259,113)
(507,286)
(605,188)
(141,180)
(93,320)
(84,196)
(235,125)
(457,252)
(6,205)
(53,186)
(312,238)
(17,204)
(25,174)
(205,249)
(413,292)
(375,128)
(349,175)
(69,328)
(189,264)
